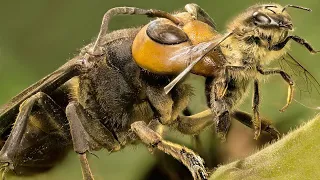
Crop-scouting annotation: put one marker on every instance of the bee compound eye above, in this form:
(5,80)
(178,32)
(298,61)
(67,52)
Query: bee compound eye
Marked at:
(166,33)
(260,18)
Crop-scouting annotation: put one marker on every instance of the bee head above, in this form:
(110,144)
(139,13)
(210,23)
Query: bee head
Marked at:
(269,17)
(269,22)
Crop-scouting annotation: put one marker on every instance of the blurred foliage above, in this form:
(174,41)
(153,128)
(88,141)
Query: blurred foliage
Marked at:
(36,37)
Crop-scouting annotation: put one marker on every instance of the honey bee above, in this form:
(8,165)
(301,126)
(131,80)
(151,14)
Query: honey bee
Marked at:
(122,86)
(253,40)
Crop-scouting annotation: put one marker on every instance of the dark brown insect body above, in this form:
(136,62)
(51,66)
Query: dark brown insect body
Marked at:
(112,93)
(91,103)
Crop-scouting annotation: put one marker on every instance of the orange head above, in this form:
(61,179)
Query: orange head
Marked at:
(161,39)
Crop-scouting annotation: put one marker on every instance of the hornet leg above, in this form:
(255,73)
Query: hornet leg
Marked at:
(88,134)
(191,160)
(50,130)
(126,10)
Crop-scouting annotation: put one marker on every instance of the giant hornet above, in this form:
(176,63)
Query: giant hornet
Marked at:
(123,85)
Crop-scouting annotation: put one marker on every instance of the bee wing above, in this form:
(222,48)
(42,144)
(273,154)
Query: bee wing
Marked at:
(46,84)
(195,54)
(307,92)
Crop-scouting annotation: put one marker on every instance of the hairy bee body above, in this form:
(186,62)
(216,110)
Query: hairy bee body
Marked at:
(249,47)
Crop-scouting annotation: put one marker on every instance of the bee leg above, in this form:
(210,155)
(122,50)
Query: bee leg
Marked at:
(200,14)
(287,78)
(247,120)
(223,123)
(220,106)
(221,86)
(296,39)
(195,123)
(130,11)
(190,159)
(255,107)
(10,152)
(87,134)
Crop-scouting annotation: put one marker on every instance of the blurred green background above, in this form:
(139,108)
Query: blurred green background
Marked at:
(36,37)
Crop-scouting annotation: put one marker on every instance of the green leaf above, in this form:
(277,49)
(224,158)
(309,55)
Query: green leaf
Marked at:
(296,156)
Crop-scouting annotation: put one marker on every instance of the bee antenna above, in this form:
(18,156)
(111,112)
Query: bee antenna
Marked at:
(297,7)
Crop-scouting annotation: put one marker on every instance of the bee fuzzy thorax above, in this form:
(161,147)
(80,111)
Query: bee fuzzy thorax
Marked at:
(238,51)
